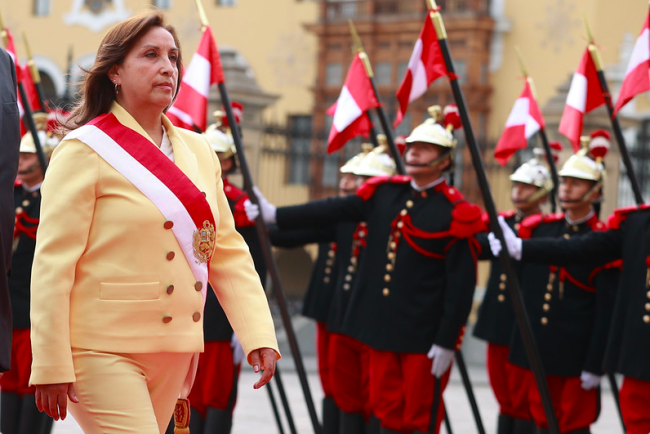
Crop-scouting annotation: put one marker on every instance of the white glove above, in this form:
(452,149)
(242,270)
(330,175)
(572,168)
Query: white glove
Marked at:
(252,210)
(442,358)
(495,244)
(589,380)
(237,350)
(513,243)
(268,209)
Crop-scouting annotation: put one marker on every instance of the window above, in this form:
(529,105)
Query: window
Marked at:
(401,71)
(162,4)
(300,149)
(461,70)
(226,2)
(333,74)
(383,71)
(41,8)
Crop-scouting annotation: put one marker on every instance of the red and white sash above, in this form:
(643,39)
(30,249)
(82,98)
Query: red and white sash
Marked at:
(162,182)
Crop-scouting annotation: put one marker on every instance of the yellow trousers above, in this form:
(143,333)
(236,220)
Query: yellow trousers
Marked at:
(126,393)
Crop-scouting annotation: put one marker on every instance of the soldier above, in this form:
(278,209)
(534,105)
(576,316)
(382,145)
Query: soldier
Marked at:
(531,184)
(214,392)
(570,306)
(418,276)
(319,295)
(19,411)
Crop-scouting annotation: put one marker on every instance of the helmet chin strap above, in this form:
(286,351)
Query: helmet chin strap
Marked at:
(433,162)
(588,195)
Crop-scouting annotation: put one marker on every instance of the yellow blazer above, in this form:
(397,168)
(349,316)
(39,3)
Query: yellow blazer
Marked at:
(102,278)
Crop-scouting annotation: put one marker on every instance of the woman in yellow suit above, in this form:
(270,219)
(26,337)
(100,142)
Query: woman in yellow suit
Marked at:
(134,224)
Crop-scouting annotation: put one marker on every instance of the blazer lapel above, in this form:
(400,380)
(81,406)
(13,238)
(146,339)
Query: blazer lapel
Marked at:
(184,158)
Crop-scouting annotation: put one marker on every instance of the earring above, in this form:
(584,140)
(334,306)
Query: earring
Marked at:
(117,88)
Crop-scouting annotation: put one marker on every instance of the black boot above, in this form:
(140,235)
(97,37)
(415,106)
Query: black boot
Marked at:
(31,420)
(196,421)
(352,423)
(9,413)
(373,426)
(505,424)
(521,426)
(331,416)
(217,421)
(384,430)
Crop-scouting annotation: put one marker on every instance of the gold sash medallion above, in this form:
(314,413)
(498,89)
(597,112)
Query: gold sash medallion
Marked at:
(182,416)
(204,242)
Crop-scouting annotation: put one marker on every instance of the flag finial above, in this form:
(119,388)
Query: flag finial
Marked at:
(358,48)
(590,36)
(36,76)
(522,65)
(202,16)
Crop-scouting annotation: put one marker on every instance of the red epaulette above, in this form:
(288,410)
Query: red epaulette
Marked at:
(621,214)
(368,188)
(466,217)
(529,223)
(453,195)
(485,217)
(597,226)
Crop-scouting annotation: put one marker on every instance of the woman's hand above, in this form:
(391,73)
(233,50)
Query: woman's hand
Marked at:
(53,399)
(264,359)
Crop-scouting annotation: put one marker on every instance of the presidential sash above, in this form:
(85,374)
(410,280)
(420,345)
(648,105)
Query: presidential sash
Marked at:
(162,182)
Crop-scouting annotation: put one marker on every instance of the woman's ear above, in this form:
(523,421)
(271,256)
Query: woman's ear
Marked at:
(114,74)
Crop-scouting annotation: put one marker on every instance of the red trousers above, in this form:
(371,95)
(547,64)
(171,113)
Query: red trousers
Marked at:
(575,408)
(401,390)
(349,362)
(215,384)
(16,380)
(509,383)
(635,405)
(322,352)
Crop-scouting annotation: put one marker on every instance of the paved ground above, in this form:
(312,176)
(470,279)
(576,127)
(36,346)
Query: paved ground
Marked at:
(253,413)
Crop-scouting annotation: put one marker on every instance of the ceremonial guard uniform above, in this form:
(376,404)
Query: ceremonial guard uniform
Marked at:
(570,306)
(19,413)
(214,393)
(496,317)
(419,274)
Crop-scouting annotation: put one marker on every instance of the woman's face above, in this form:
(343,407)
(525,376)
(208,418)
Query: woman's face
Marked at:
(149,74)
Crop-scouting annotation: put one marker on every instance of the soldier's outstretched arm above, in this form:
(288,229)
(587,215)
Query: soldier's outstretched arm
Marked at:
(323,212)
(593,248)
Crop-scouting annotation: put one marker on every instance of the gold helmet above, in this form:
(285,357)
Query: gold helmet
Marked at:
(431,131)
(587,163)
(353,163)
(221,142)
(47,140)
(377,162)
(533,172)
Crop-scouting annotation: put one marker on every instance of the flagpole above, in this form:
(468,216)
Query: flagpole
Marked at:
(513,283)
(542,134)
(262,233)
(616,126)
(36,76)
(358,47)
(373,132)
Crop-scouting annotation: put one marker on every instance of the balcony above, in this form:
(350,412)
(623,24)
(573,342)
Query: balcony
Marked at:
(394,10)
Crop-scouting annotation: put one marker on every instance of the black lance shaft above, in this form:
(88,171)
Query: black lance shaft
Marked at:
(271,264)
(388,131)
(595,55)
(28,118)
(513,284)
(285,402)
(460,361)
(274,407)
(551,165)
(373,132)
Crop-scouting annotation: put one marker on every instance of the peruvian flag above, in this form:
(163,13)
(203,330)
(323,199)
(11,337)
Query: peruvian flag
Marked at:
(426,65)
(637,76)
(349,111)
(585,95)
(191,106)
(30,88)
(524,121)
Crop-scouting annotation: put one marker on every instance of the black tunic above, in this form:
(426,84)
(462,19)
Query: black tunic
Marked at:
(628,352)
(418,300)
(570,306)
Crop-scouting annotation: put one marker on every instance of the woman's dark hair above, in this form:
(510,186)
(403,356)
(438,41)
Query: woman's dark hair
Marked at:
(97,90)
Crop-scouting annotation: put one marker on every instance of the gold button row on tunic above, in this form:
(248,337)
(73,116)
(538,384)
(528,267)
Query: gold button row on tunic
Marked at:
(346,287)
(544,320)
(409,204)
(386,291)
(646,319)
(504,277)
(501,298)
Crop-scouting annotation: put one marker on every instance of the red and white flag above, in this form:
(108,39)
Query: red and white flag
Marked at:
(637,76)
(30,88)
(11,49)
(524,121)
(426,65)
(349,111)
(584,95)
(191,106)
